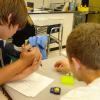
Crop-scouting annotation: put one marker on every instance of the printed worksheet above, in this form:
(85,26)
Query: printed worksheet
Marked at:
(32,85)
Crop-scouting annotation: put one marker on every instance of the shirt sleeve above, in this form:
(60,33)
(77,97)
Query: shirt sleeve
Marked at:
(82,93)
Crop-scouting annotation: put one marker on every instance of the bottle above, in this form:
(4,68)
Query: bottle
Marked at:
(72,5)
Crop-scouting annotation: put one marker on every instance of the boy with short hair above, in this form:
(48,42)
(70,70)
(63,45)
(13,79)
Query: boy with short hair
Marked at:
(83,50)
(13,16)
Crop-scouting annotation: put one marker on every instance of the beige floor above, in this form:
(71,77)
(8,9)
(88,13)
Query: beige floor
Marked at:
(56,53)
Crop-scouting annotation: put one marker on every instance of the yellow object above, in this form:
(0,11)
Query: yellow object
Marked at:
(26,41)
(83,9)
(29,8)
(67,80)
(56,89)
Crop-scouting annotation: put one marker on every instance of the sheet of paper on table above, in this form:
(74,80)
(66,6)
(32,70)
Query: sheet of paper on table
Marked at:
(32,85)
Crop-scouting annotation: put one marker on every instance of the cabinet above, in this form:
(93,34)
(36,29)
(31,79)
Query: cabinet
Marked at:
(94,6)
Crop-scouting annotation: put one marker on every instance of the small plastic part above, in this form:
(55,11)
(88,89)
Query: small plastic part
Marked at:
(55,90)
(26,42)
(67,79)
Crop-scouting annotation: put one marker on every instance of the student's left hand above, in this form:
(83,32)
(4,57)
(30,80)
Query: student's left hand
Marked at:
(62,66)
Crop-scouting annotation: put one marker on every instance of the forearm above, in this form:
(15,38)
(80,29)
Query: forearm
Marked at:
(22,75)
(11,70)
(25,72)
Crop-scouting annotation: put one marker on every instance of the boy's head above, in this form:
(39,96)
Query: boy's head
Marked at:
(13,15)
(83,48)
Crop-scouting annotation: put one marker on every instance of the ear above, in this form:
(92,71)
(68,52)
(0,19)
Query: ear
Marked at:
(9,18)
(76,64)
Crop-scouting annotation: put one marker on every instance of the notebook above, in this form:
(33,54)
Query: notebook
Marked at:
(32,85)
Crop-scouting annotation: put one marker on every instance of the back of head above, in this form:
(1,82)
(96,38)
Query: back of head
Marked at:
(84,44)
(16,8)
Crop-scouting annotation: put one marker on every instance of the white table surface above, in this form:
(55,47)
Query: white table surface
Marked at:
(48,70)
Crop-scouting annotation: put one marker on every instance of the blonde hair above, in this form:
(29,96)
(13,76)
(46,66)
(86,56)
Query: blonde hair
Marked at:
(16,8)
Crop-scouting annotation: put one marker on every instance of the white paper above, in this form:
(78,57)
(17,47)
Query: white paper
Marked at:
(32,85)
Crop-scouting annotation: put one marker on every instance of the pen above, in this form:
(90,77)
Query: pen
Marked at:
(41,64)
(26,43)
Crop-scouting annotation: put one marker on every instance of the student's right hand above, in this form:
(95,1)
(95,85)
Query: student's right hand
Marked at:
(27,71)
(62,66)
(29,56)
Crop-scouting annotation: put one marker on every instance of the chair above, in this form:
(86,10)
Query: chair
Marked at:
(52,30)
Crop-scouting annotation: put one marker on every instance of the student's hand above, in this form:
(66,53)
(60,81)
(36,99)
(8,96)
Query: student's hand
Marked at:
(28,54)
(62,66)
(26,72)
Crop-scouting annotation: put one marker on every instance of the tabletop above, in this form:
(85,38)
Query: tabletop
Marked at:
(48,70)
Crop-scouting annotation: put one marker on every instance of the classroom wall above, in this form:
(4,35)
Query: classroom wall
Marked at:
(39,3)
(94,6)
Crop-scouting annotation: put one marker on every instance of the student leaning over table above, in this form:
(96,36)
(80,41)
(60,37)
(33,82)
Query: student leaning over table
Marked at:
(13,15)
(83,49)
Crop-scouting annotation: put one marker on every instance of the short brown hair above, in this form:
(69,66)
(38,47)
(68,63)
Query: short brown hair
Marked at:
(15,7)
(84,44)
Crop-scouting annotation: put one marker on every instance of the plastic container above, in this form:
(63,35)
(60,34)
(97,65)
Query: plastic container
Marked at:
(72,6)
(83,9)
(67,79)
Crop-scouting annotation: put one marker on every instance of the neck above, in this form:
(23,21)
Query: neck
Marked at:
(91,75)
(2,30)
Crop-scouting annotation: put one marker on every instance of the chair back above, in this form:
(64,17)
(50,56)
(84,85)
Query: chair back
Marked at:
(53,28)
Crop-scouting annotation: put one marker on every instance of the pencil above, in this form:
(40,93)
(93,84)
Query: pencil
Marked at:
(41,64)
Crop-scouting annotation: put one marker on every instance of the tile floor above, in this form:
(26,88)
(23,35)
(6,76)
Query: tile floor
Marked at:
(56,53)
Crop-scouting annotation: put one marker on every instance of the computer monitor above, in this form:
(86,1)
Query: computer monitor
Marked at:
(30,6)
